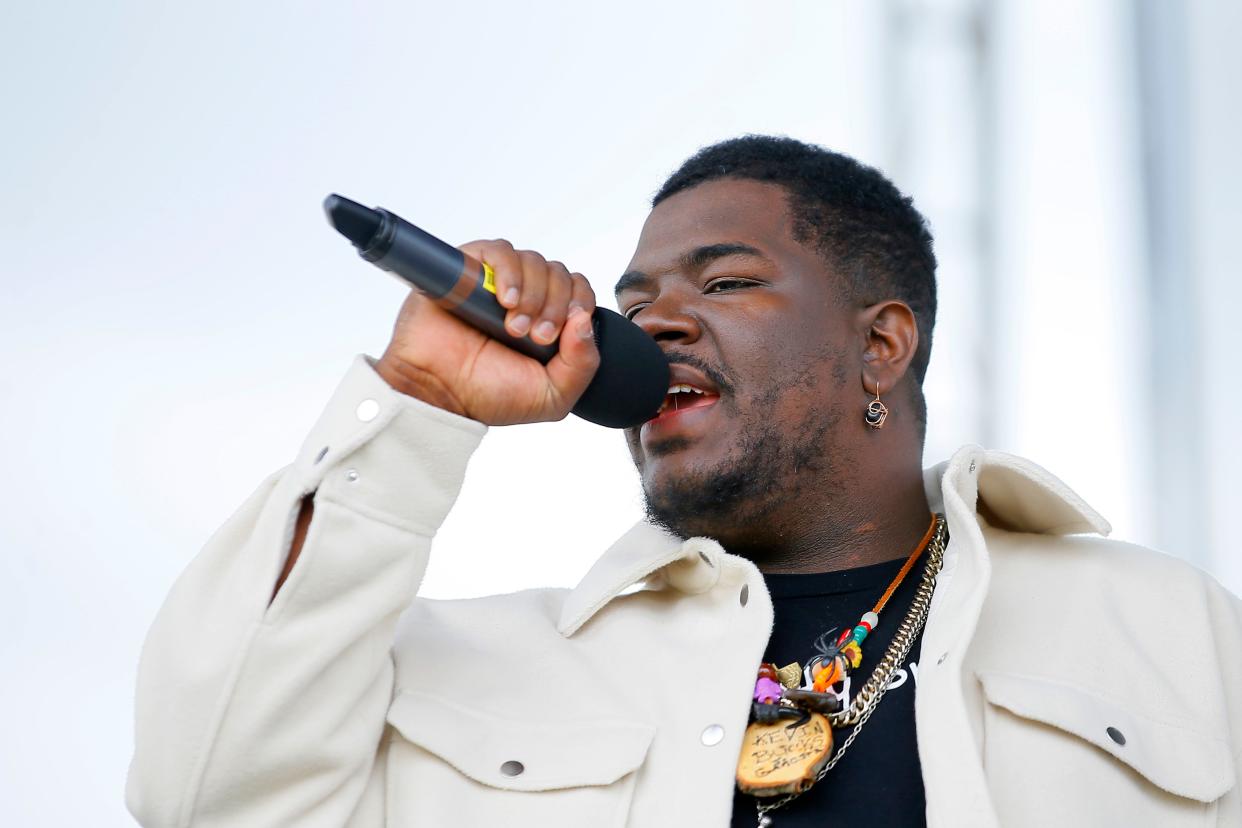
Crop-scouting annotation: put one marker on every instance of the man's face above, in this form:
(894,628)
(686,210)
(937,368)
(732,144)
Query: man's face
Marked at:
(754,320)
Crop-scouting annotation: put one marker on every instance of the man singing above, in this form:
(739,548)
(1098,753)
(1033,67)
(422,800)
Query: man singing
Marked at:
(808,629)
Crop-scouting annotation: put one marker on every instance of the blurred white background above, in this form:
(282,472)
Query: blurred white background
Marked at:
(176,311)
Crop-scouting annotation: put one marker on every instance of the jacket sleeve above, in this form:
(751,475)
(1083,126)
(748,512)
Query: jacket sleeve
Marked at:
(250,714)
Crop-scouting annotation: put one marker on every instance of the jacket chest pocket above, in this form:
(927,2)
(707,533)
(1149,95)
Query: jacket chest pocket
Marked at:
(1060,755)
(449,764)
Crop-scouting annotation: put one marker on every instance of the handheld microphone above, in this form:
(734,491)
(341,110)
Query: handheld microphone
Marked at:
(632,379)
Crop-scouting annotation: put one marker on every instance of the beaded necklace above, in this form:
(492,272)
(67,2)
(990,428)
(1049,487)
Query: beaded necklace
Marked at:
(780,760)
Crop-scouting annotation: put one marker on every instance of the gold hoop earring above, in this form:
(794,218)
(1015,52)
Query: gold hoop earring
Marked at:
(877,412)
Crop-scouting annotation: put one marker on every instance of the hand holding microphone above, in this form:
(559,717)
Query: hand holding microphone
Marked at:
(503,336)
(440,359)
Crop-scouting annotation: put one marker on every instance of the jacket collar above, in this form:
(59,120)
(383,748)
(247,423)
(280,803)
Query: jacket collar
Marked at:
(1012,493)
(1008,491)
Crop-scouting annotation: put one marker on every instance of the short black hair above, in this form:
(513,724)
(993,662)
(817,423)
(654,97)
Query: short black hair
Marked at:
(850,213)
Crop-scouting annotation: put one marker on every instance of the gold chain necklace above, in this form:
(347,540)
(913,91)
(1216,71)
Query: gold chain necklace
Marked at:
(807,743)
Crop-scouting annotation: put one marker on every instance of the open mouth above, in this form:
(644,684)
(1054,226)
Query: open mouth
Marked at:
(684,397)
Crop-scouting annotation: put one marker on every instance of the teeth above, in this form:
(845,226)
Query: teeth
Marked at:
(670,401)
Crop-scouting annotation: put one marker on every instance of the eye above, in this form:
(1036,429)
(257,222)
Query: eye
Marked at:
(727,283)
(630,313)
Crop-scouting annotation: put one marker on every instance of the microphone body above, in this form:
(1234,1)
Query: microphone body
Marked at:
(632,379)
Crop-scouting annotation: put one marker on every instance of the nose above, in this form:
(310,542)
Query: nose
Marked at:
(668,319)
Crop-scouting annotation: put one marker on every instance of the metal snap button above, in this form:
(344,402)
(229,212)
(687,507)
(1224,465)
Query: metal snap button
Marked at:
(351,475)
(1116,735)
(712,735)
(972,466)
(512,768)
(744,596)
(368,410)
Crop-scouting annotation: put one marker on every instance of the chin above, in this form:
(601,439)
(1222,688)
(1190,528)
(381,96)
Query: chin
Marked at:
(737,496)
(717,504)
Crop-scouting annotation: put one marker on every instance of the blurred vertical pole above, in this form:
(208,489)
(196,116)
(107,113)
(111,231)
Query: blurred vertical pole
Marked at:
(1189,63)
(1175,385)
(1069,300)
(939,113)
(1215,63)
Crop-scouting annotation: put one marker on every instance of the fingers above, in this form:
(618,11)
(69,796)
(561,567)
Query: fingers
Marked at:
(534,289)
(577,359)
(499,253)
(545,301)
(538,294)
(582,295)
(555,308)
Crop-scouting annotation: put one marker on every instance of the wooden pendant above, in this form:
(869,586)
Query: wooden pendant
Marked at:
(777,759)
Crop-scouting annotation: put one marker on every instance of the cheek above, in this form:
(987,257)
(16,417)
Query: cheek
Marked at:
(785,382)
(775,333)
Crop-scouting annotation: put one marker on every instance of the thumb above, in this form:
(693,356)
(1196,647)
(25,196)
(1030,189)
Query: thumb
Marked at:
(575,363)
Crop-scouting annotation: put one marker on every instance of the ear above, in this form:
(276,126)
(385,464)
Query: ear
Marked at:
(891,336)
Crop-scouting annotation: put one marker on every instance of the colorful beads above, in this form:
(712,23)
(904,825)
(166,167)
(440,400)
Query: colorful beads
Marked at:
(860,632)
(781,691)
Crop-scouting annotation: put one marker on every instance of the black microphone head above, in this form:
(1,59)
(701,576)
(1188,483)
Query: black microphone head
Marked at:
(632,381)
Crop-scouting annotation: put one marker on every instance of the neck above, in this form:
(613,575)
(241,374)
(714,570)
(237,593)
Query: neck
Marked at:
(869,521)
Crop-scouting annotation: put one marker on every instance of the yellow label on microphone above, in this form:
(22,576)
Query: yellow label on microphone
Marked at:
(489,279)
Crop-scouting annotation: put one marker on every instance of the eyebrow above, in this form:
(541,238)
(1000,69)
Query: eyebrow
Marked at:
(696,259)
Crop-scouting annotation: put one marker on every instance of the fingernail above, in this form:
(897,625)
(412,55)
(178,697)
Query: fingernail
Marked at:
(511,296)
(585,329)
(545,331)
(520,324)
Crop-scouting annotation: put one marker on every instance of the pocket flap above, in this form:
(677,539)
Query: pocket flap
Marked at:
(1175,753)
(521,755)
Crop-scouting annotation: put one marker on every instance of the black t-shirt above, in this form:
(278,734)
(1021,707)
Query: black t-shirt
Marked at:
(878,781)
